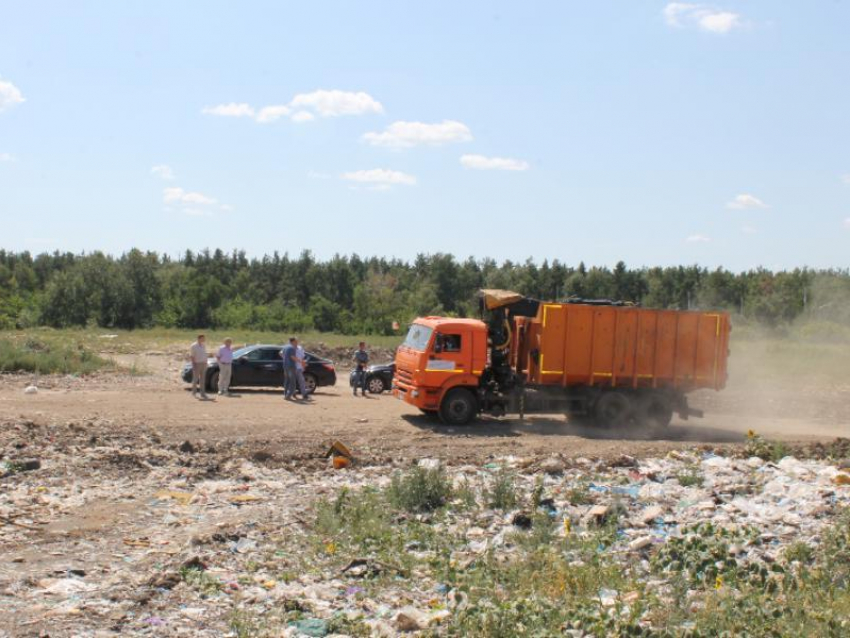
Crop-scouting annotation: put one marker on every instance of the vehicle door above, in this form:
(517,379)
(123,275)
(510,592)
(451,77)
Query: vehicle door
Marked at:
(449,354)
(270,368)
(246,368)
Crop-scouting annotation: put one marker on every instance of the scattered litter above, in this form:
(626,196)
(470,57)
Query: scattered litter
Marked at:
(194,541)
(30,389)
(184,498)
(341,462)
(338,448)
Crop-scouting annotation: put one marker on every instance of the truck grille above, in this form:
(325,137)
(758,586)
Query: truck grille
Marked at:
(403,376)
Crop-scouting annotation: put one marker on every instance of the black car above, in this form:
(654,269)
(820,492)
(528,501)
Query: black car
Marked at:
(262,366)
(379,378)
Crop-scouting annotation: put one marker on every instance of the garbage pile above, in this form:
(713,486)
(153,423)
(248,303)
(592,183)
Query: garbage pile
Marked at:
(105,532)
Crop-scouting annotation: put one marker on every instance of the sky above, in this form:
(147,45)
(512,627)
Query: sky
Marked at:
(651,132)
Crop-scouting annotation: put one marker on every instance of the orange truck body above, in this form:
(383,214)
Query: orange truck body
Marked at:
(581,354)
(625,347)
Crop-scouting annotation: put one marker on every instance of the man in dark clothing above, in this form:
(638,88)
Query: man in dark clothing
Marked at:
(290,362)
(361,360)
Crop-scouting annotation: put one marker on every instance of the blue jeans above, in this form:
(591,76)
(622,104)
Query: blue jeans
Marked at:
(289,382)
(301,382)
(360,380)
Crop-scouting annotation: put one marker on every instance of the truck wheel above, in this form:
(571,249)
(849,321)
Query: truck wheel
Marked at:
(613,409)
(654,411)
(212,382)
(458,407)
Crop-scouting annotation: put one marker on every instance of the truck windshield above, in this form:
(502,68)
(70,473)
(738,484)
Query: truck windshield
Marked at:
(418,337)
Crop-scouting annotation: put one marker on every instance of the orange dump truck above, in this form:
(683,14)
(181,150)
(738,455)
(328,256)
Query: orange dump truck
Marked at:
(614,362)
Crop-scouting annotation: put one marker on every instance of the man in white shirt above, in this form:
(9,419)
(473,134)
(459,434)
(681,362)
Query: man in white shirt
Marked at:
(225,367)
(198,355)
(300,364)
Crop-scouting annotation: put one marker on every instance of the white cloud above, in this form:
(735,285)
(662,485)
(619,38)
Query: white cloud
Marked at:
(10,95)
(406,134)
(380,177)
(749,230)
(745,201)
(697,239)
(7,157)
(707,18)
(303,116)
(226,208)
(317,175)
(230,110)
(719,21)
(847,223)
(272,113)
(163,171)
(178,195)
(846,178)
(335,103)
(304,107)
(484,163)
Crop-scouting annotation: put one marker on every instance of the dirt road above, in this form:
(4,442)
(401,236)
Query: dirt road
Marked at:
(382,428)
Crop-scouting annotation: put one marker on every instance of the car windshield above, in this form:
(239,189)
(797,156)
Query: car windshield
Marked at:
(418,337)
(241,352)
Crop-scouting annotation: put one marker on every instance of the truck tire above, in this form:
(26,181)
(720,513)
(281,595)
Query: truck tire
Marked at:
(458,407)
(612,409)
(654,410)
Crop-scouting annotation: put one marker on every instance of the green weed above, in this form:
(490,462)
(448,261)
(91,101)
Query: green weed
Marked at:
(502,493)
(42,358)
(690,477)
(420,490)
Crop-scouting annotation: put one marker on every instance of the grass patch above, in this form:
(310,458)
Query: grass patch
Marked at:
(420,490)
(690,477)
(36,356)
(773,451)
(169,339)
(199,580)
(502,494)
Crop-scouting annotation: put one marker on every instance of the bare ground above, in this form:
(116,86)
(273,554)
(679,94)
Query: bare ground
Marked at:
(380,427)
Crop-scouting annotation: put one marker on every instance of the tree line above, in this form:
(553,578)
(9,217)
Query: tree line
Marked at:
(356,295)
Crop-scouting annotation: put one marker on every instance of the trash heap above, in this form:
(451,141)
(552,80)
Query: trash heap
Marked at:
(105,532)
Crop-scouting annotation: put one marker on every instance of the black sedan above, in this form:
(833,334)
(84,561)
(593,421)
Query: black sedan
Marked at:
(262,366)
(379,378)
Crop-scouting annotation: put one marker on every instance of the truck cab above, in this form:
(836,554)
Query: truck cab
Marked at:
(440,364)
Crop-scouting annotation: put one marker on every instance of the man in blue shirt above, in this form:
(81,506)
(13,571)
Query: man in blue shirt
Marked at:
(289,356)
(361,360)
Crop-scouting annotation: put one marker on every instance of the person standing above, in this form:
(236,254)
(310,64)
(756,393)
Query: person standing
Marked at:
(361,360)
(225,367)
(198,355)
(289,358)
(300,364)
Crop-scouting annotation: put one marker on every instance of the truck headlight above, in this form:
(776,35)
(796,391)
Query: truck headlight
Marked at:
(414,393)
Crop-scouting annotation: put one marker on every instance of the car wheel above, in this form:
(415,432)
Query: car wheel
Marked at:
(310,383)
(212,381)
(375,385)
(458,407)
